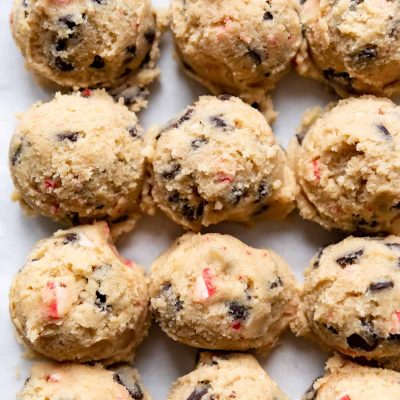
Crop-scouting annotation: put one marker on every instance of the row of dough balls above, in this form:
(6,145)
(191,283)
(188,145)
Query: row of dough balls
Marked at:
(237,47)
(77,299)
(81,157)
(217,376)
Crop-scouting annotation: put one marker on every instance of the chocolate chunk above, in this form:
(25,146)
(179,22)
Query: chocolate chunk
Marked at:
(101,2)
(70,136)
(393,246)
(132,130)
(367,53)
(172,172)
(61,44)
(255,105)
(174,197)
(378,286)
(217,121)
(74,217)
(193,213)
(237,311)
(131,50)
(255,55)
(262,191)
(236,194)
(224,97)
(276,283)
(171,297)
(199,392)
(384,130)
(267,16)
(197,143)
(349,259)
(342,78)
(183,118)
(98,62)
(318,258)
(17,155)
(264,208)
(150,36)
(68,21)
(70,238)
(101,301)
(356,341)
(130,385)
(62,65)
(394,336)
(300,137)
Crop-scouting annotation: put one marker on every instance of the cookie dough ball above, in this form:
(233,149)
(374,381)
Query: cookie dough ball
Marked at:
(214,292)
(76,159)
(224,377)
(82,382)
(87,43)
(353,46)
(219,161)
(344,380)
(348,165)
(76,299)
(235,46)
(351,298)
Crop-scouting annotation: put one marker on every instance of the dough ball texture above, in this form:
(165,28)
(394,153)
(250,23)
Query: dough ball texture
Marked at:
(353,46)
(345,380)
(347,163)
(82,382)
(219,161)
(86,43)
(76,299)
(241,47)
(224,377)
(212,291)
(351,298)
(77,159)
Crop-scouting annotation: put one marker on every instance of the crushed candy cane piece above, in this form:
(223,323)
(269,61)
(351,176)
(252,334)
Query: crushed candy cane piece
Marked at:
(56,299)
(85,241)
(86,92)
(50,184)
(236,326)
(345,397)
(316,170)
(204,287)
(54,378)
(225,178)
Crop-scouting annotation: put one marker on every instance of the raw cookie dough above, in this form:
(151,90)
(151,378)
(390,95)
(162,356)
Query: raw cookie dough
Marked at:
(89,43)
(82,382)
(77,159)
(76,299)
(344,380)
(219,161)
(236,46)
(347,162)
(351,298)
(212,291)
(352,45)
(224,377)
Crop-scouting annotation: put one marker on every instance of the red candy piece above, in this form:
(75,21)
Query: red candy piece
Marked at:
(316,170)
(346,397)
(236,326)
(50,184)
(86,92)
(207,277)
(225,178)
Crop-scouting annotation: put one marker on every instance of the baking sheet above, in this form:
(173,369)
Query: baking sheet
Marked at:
(293,364)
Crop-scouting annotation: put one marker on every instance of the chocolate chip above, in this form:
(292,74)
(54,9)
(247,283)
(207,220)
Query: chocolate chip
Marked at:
(101,2)
(199,392)
(236,194)
(267,16)
(276,283)
(393,246)
(74,217)
(384,130)
(349,259)
(237,311)
(63,65)
(130,385)
(255,55)
(150,36)
(172,171)
(70,136)
(378,286)
(68,21)
(61,44)
(264,208)
(101,301)
(368,53)
(356,341)
(70,238)
(318,258)
(224,97)
(255,105)
(171,296)
(197,143)
(217,121)
(394,336)
(193,213)
(132,130)
(300,137)
(262,191)
(174,197)
(342,78)
(17,155)
(131,49)
(183,118)
(98,62)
